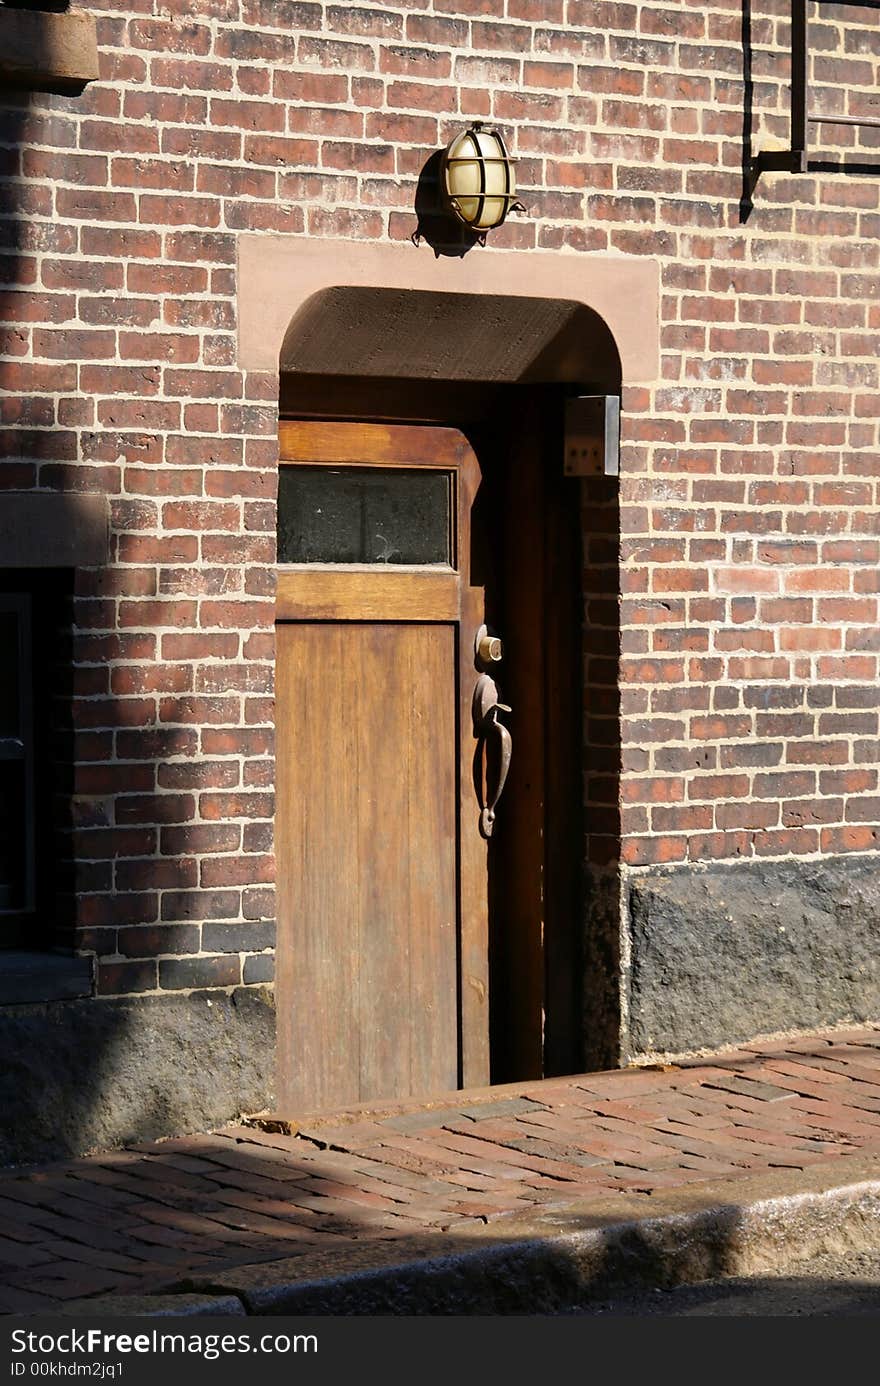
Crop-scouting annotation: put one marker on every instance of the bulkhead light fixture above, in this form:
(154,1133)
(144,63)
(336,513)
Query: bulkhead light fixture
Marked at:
(477,179)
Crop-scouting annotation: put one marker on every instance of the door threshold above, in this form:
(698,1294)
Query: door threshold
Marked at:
(289,1123)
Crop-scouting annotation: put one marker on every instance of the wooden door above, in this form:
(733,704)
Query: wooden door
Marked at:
(382,982)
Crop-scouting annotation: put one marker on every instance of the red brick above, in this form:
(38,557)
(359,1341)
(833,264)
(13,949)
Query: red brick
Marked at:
(114,978)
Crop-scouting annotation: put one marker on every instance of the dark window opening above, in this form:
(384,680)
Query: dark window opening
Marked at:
(17,867)
(35,756)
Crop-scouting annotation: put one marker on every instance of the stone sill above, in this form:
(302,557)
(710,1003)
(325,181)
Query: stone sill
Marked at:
(26,978)
(42,51)
(46,529)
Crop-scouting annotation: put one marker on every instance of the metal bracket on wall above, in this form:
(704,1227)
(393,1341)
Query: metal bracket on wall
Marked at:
(797,158)
(592,435)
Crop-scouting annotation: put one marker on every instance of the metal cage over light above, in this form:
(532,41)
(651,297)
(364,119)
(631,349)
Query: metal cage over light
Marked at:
(477,178)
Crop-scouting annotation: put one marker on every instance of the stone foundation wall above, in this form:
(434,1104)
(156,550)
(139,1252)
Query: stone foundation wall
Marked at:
(83,1075)
(725,952)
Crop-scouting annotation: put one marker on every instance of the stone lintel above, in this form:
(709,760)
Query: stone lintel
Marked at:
(43,51)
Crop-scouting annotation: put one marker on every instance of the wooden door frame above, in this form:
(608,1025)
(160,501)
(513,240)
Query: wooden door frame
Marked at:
(361,592)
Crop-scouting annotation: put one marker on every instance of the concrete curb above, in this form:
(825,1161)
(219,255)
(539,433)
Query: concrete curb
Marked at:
(572,1253)
(172,1306)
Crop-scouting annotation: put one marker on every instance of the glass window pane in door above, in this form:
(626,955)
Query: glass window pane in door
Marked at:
(364,515)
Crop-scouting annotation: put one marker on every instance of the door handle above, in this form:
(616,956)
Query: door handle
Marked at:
(496,744)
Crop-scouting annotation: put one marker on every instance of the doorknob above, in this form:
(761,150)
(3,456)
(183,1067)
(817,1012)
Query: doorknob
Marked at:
(488,649)
(495,743)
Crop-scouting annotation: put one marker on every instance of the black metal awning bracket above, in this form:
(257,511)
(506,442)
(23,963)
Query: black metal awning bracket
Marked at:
(796,159)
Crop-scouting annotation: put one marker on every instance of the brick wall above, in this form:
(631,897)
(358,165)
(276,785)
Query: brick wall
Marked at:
(748,706)
(750,546)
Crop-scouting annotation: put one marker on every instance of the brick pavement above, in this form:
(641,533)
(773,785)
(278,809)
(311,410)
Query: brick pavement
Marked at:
(132,1221)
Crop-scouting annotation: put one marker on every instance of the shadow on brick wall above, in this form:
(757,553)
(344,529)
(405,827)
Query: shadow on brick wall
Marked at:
(746,205)
(78,1073)
(33,440)
(443,234)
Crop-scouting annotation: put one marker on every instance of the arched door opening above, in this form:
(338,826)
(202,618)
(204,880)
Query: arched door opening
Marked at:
(416,952)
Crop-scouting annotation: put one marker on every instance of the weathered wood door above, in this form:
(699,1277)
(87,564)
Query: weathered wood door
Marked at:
(382,949)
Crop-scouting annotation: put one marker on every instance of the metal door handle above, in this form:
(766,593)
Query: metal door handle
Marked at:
(489,730)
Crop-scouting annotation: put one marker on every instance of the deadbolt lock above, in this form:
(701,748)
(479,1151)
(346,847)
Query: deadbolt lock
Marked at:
(487,648)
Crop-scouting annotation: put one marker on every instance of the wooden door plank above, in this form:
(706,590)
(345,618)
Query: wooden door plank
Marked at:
(386,445)
(324,593)
(382,830)
(318,868)
(406,836)
(432,780)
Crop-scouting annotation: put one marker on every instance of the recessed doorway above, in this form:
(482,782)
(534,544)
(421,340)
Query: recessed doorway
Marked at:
(429,936)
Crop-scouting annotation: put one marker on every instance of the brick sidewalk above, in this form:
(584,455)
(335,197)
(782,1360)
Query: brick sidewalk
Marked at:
(132,1221)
